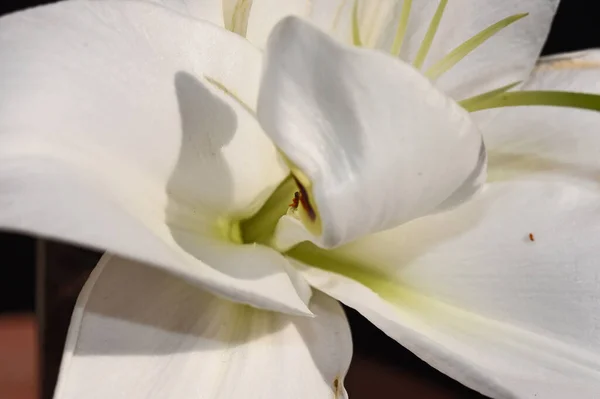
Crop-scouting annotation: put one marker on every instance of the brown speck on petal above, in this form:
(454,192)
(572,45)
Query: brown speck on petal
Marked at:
(531,237)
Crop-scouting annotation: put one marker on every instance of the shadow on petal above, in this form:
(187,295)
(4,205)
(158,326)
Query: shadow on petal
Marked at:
(129,308)
(201,181)
(141,332)
(201,188)
(223,164)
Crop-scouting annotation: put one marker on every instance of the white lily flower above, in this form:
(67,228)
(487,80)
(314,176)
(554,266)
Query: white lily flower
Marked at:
(151,134)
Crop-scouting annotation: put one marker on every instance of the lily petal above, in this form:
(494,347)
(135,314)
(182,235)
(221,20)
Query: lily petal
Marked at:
(501,293)
(266,13)
(112,135)
(541,140)
(207,10)
(507,57)
(141,333)
(333,16)
(494,357)
(375,141)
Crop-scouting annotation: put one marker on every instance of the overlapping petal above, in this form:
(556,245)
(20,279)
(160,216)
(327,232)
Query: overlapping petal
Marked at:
(333,17)
(115,133)
(265,14)
(507,57)
(494,357)
(501,293)
(142,333)
(371,141)
(538,141)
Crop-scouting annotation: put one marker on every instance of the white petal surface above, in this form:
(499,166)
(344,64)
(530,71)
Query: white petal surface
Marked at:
(332,16)
(207,10)
(564,141)
(493,357)
(265,14)
(505,58)
(141,333)
(509,284)
(379,144)
(112,136)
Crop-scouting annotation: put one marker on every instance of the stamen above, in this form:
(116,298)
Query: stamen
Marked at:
(402,25)
(472,102)
(261,226)
(453,57)
(305,201)
(550,98)
(308,213)
(431,31)
(355,29)
(295,200)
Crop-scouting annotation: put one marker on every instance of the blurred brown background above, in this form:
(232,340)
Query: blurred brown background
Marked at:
(31,347)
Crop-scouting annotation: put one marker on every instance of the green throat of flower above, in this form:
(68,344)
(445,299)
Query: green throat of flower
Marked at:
(294,198)
(260,227)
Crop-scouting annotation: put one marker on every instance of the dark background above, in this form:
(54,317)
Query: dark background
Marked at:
(380,364)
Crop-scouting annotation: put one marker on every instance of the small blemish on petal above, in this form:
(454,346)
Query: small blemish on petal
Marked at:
(531,237)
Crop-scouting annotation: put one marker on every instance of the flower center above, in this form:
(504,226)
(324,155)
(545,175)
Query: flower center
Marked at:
(260,227)
(301,198)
